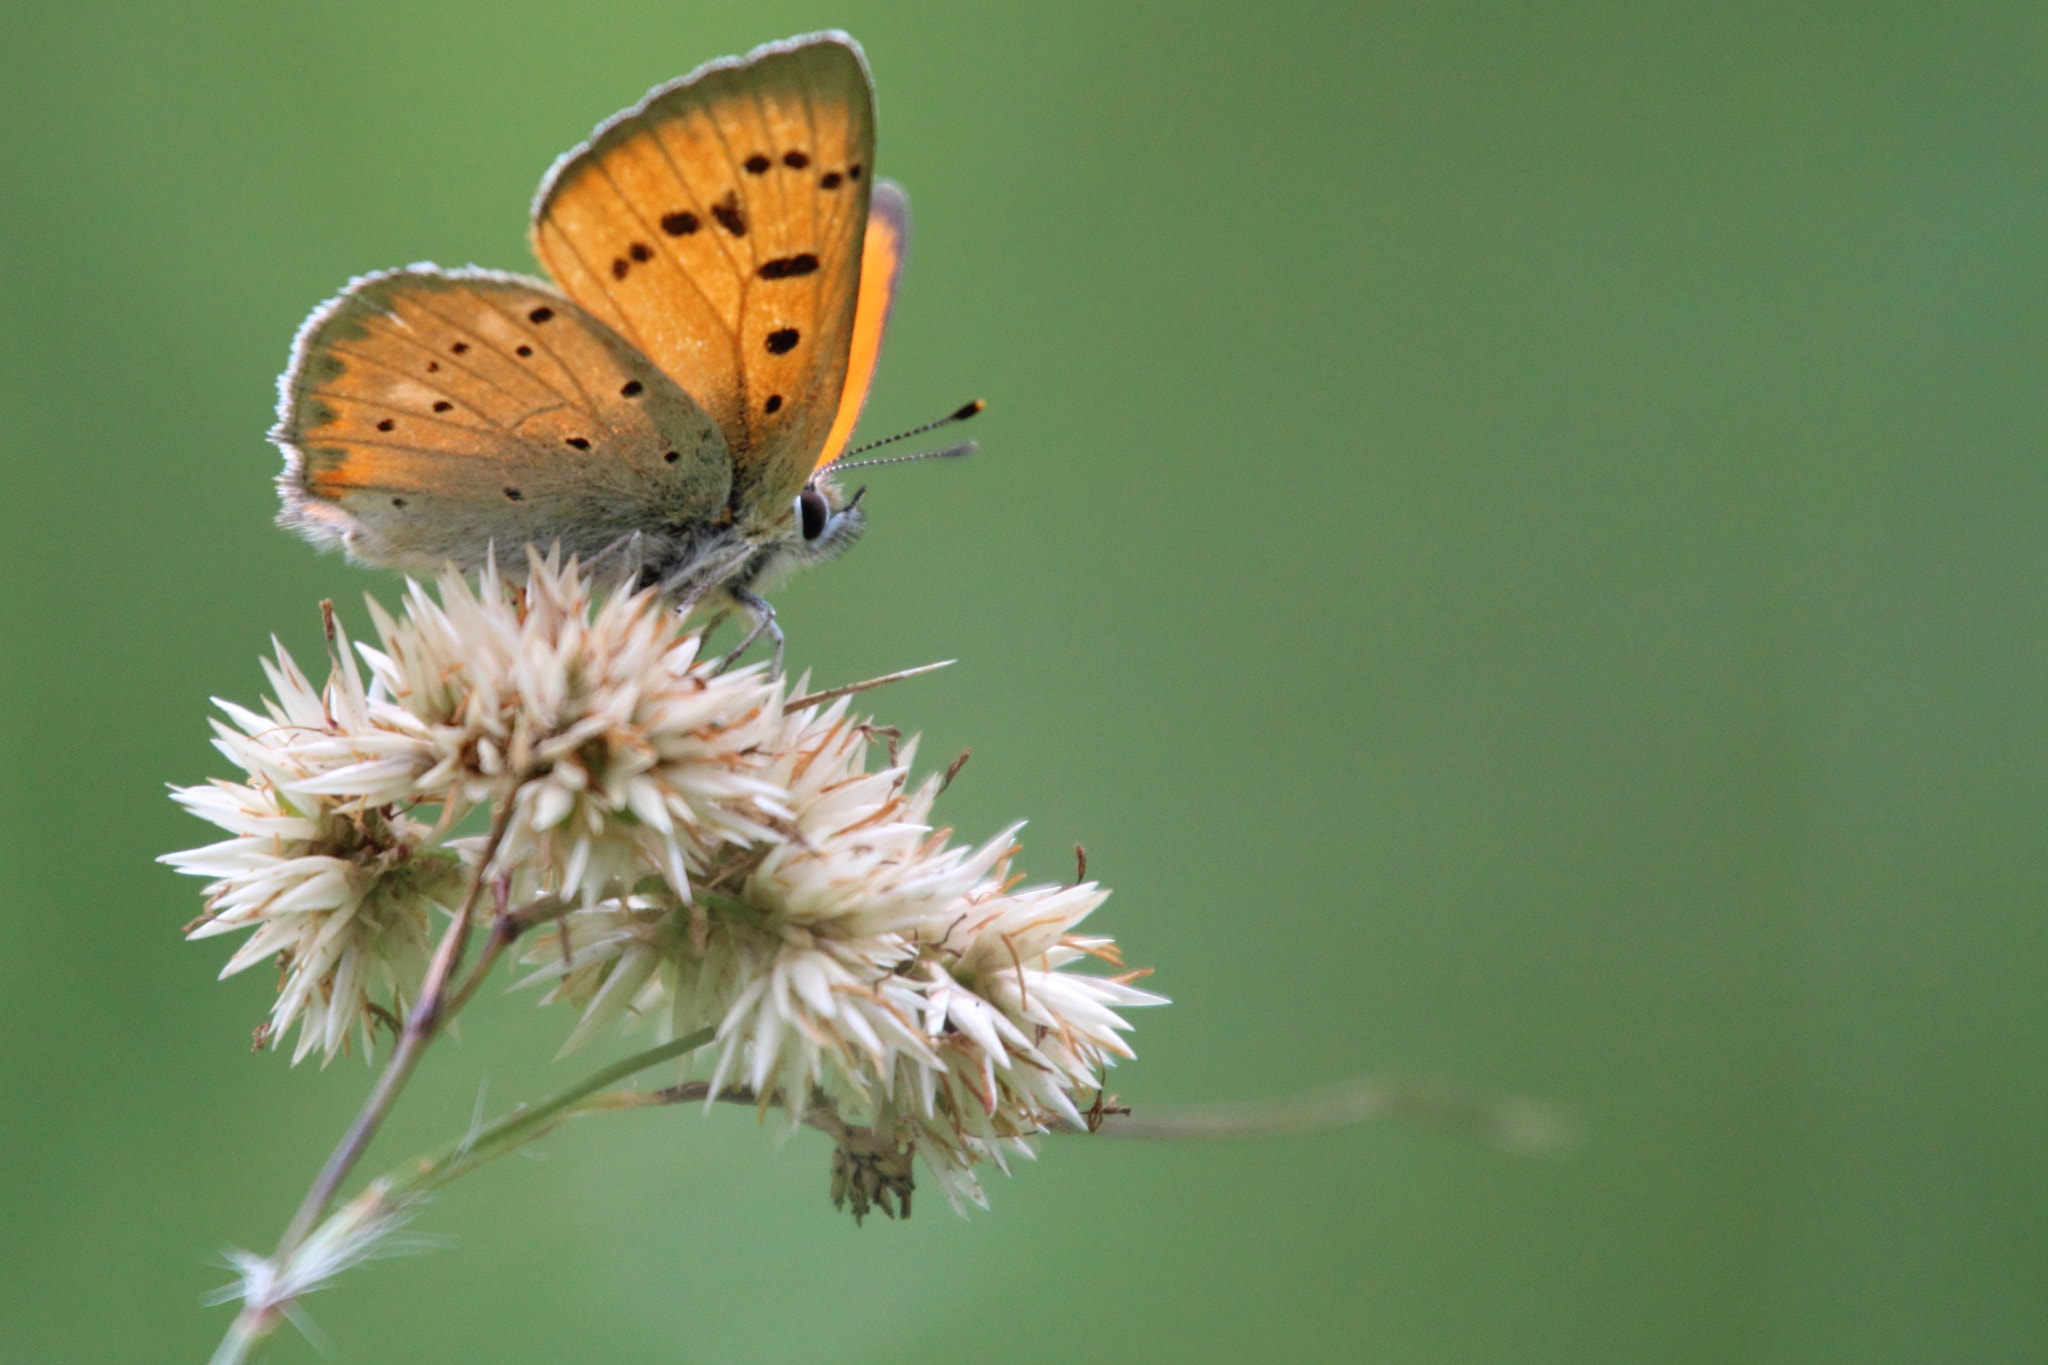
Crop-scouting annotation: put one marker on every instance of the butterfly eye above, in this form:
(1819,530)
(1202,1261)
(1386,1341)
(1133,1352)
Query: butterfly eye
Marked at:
(813,511)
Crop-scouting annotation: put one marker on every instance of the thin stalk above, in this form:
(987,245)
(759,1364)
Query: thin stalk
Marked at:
(505,931)
(509,1132)
(247,1332)
(834,693)
(421,1026)
(520,1126)
(1529,1127)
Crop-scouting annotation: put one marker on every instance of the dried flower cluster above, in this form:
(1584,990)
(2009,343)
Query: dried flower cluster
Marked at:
(341,891)
(700,854)
(859,961)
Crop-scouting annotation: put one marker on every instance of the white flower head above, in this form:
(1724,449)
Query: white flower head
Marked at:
(860,961)
(610,754)
(622,755)
(795,979)
(1020,1039)
(340,889)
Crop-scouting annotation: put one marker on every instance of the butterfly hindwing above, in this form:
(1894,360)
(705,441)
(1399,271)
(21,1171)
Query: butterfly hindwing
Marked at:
(881,270)
(718,226)
(429,413)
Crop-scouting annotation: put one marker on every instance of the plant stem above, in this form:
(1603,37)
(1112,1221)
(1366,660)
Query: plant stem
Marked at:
(421,1026)
(505,931)
(509,1132)
(1527,1126)
(520,1126)
(248,1332)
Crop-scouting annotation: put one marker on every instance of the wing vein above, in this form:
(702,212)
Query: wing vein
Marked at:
(420,302)
(589,404)
(567,401)
(374,363)
(819,233)
(402,333)
(704,216)
(739,348)
(414,414)
(625,319)
(648,227)
(415,449)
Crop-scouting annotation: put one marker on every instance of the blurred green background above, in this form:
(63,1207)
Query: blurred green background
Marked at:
(1513,534)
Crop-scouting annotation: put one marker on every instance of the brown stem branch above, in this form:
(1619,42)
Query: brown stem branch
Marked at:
(429,1013)
(506,930)
(1509,1121)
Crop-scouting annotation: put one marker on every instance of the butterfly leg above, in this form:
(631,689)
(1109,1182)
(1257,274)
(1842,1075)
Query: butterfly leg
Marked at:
(624,558)
(755,606)
(717,620)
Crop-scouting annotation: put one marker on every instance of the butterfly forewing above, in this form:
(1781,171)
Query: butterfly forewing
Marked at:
(718,226)
(428,414)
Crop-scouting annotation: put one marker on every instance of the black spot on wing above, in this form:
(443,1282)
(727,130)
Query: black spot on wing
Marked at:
(757,164)
(774,403)
(541,314)
(386,424)
(630,389)
(796,161)
(578,442)
(789,267)
(443,405)
(459,347)
(673,456)
(829,180)
(522,351)
(729,214)
(514,494)
(619,267)
(783,340)
(681,223)
(640,251)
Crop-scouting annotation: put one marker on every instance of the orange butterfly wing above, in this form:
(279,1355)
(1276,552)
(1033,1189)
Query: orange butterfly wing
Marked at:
(881,270)
(428,414)
(718,226)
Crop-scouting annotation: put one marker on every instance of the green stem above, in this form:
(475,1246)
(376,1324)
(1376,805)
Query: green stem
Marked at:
(250,1330)
(730,905)
(514,1130)
(257,1321)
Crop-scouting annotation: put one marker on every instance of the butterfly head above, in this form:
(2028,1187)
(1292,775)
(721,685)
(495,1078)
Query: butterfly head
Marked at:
(821,522)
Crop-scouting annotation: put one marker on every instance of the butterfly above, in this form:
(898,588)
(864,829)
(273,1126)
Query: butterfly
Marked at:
(723,262)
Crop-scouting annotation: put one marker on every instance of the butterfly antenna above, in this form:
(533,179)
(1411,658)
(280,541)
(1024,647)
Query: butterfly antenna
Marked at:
(949,453)
(948,420)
